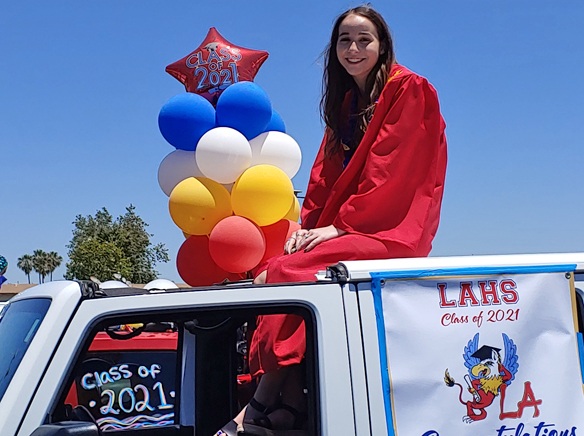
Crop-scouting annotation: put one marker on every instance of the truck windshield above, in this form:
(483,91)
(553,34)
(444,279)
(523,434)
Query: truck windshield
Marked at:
(19,322)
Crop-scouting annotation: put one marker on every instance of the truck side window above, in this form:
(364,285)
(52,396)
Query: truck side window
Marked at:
(222,338)
(184,374)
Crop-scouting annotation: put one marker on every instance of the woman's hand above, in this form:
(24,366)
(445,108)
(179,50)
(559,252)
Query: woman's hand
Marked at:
(308,239)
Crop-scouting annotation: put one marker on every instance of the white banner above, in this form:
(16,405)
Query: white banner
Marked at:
(489,355)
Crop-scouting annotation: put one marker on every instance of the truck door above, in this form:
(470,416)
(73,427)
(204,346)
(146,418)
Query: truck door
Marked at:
(175,363)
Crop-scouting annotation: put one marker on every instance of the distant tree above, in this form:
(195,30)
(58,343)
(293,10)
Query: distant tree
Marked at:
(54,261)
(40,264)
(100,259)
(25,264)
(102,247)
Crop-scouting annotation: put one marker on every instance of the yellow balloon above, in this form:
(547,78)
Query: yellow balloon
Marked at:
(294,212)
(263,194)
(197,203)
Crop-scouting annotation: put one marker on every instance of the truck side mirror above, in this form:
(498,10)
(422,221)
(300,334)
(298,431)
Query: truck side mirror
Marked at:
(67,428)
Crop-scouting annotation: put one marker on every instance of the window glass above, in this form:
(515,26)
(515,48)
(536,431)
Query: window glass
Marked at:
(19,323)
(128,383)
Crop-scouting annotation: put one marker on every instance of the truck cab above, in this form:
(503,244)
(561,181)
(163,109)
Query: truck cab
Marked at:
(82,360)
(188,376)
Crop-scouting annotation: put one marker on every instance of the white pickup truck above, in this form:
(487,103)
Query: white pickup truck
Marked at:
(79,360)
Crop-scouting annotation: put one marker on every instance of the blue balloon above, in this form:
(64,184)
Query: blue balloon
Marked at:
(245,107)
(184,119)
(276,124)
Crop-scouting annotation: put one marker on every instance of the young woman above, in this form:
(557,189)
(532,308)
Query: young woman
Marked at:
(375,192)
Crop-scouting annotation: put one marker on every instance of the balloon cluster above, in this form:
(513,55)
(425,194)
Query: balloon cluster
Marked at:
(229,179)
(3,268)
(3,265)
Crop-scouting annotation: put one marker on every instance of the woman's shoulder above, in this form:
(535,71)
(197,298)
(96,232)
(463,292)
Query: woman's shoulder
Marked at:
(401,74)
(401,79)
(404,83)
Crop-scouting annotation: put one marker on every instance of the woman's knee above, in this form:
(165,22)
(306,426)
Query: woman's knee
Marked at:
(261,278)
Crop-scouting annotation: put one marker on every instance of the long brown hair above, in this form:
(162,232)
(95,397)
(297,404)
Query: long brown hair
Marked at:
(337,82)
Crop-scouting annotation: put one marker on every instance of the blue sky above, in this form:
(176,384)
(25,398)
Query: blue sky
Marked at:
(82,82)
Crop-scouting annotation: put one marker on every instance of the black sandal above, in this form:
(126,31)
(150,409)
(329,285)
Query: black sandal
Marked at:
(262,420)
(262,425)
(299,417)
(256,430)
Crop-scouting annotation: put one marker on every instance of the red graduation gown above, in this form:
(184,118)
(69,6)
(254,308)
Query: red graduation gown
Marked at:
(387,199)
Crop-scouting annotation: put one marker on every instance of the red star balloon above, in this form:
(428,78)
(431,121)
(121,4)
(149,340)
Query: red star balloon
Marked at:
(215,65)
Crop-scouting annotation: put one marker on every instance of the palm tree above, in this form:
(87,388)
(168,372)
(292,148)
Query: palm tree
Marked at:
(54,260)
(40,264)
(25,264)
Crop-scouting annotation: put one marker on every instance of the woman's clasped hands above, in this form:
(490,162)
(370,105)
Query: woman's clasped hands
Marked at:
(304,239)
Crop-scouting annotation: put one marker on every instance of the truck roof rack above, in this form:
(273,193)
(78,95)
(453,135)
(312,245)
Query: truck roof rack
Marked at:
(359,270)
(89,289)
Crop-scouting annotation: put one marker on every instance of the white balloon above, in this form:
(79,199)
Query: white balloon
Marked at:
(112,284)
(278,149)
(175,167)
(160,284)
(222,154)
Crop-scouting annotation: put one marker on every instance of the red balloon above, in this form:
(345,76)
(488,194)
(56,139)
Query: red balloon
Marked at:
(236,244)
(216,64)
(195,265)
(276,236)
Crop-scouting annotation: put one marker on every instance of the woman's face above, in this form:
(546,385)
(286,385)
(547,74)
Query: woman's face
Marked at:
(358,47)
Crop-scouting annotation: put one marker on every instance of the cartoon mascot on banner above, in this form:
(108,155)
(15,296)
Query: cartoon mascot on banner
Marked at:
(487,375)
